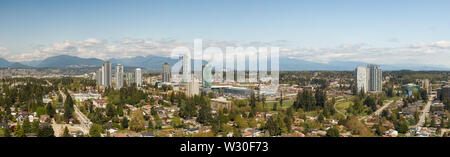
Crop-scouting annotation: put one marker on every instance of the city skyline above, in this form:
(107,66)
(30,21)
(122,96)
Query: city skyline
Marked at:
(399,32)
(255,76)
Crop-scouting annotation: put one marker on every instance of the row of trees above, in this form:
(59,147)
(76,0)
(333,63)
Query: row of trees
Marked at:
(21,130)
(309,101)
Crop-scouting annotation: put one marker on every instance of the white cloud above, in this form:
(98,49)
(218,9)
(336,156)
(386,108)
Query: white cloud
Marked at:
(3,52)
(441,44)
(437,53)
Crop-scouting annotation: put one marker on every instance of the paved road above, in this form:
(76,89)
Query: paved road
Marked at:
(85,123)
(378,111)
(425,112)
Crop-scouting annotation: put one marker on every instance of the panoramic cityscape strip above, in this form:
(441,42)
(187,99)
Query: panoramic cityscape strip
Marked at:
(254,69)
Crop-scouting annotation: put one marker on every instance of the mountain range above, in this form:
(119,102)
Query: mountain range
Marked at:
(6,64)
(152,62)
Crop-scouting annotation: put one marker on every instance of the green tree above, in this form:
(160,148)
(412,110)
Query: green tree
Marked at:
(176,122)
(333,132)
(26,125)
(46,131)
(124,123)
(172,97)
(204,114)
(50,110)
(370,101)
(188,110)
(357,107)
(379,129)
(423,94)
(433,123)
(158,123)
(18,131)
(35,127)
(96,130)
(273,126)
(6,132)
(402,127)
(110,111)
(253,100)
(321,117)
(237,132)
(68,107)
(137,121)
(150,124)
(66,132)
(288,122)
(281,99)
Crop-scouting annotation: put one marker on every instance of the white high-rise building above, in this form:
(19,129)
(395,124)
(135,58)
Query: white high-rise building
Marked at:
(119,76)
(375,78)
(361,79)
(186,68)
(138,77)
(103,76)
(130,78)
(107,75)
(368,78)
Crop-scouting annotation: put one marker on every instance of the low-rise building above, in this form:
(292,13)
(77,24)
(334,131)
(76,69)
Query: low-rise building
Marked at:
(99,103)
(220,103)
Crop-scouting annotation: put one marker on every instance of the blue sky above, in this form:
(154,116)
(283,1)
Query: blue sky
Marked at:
(27,26)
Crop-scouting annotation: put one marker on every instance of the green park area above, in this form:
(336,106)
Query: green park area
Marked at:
(286,104)
(344,105)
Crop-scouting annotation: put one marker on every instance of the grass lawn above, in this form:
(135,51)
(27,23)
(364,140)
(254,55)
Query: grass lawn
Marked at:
(344,105)
(311,114)
(286,104)
(395,98)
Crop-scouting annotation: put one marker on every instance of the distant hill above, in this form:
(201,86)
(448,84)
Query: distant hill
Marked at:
(152,62)
(66,61)
(6,64)
(33,63)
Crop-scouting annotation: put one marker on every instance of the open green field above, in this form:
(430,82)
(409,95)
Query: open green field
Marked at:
(395,98)
(344,105)
(286,104)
